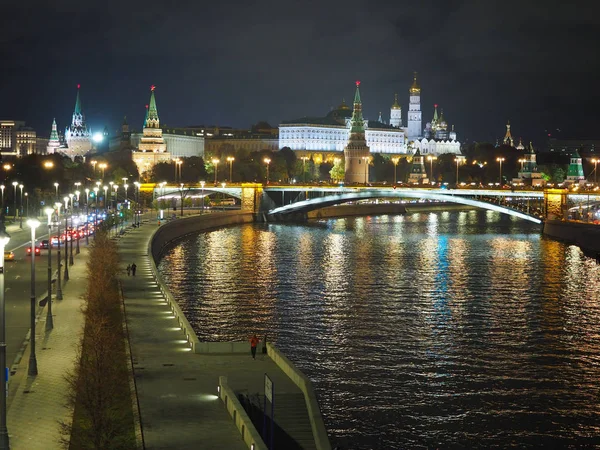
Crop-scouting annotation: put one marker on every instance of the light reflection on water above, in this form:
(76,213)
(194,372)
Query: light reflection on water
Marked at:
(425,330)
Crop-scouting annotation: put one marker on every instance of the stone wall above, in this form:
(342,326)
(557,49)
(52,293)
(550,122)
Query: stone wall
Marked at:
(585,235)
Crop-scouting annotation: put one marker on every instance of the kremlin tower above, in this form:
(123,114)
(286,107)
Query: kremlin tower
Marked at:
(78,136)
(508,139)
(396,113)
(414,111)
(54,141)
(356,152)
(418,174)
(152,148)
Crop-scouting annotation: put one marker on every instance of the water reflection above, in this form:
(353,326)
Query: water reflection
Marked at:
(460,329)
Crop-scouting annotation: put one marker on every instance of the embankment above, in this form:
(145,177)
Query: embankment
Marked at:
(585,235)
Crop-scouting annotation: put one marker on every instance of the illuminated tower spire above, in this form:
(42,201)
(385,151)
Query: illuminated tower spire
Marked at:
(54,141)
(152,113)
(78,136)
(508,139)
(414,111)
(396,113)
(356,153)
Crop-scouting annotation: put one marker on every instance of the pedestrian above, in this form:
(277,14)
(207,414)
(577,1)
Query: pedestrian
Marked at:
(128,269)
(264,348)
(253,344)
(133,267)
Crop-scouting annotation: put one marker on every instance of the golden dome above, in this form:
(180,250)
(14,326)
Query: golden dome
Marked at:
(396,105)
(415,88)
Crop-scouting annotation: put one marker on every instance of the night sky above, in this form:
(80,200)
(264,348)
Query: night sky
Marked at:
(235,63)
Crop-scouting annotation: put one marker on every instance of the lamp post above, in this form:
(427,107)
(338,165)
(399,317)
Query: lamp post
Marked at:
(96,213)
(66,275)
(267,162)
(202,183)
(215,162)
(26,204)
(595,161)
(103,166)
(56,187)
(76,221)
(181,195)
(395,161)
(304,159)
(4,238)
(457,161)
(59,295)
(431,159)
(49,321)
(2,187)
(21,210)
(230,160)
(500,160)
(366,161)
(522,161)
(93,162)
(32,371)
(105,190)
(15,184)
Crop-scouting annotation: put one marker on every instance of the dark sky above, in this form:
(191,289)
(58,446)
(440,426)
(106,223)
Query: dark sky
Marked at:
(238,62)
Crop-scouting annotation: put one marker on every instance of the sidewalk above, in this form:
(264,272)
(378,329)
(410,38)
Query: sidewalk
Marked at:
(37,404)
(177,389)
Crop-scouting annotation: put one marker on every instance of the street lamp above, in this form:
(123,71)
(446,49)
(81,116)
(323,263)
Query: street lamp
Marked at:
(215,162)
(4,238)
(105,190)
(66,276)
(21,209)
(304,159)
(96,213)
(56,187)
(267,162)
(395,161)
(431,159)
(522,161)
(457,161)
(26,204)
(59,295)
(49,321)
(103,166)
(230,160)
(33,224)
(595,161)
(366,161)
(93,163)
(2,187)
(500,160)
(76,227)
(15,184)
(202,183)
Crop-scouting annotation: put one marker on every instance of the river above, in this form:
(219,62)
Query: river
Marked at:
(425,330)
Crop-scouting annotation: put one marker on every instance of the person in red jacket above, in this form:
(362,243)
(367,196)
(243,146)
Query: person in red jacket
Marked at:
(253,344)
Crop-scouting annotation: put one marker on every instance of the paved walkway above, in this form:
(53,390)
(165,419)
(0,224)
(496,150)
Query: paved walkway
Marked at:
(176,388)
(37,404)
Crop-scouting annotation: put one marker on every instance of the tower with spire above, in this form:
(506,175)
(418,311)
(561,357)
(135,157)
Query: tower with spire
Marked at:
(54,141)
(529,173)
(356,152)
(396,113)
(78,136)
(418,174)
(152,148)
(414,111)
(508,139)
(575,170)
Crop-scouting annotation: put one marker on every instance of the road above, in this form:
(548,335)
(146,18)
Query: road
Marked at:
(18,285)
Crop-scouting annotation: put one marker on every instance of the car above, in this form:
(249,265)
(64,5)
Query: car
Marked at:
(9,256)
(45,244)
(36,250)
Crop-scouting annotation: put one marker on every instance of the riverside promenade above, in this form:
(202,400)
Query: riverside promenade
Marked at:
(176,388)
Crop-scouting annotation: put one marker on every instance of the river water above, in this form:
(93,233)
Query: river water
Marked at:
(428,330)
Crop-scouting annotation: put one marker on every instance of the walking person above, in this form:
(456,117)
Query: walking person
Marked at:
(133,267)
(128,269)
(253,344)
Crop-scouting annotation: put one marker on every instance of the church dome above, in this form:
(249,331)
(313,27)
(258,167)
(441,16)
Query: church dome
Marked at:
(415,88)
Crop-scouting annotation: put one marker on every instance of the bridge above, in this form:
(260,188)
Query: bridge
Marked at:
(293,202)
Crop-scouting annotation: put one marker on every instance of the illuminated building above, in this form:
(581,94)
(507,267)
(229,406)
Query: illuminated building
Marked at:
(54,141)
(436,138)
(414,111)
(78,136)
(418,174)
(508,139)
(356,152)
(16,139)
(529,173)
(151,148)
(395,114)
(575,170)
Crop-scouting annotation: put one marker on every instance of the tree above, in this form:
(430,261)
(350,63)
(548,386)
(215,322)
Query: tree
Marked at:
(337,172)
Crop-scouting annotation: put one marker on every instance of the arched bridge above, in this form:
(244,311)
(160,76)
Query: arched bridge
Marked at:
(274,203)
